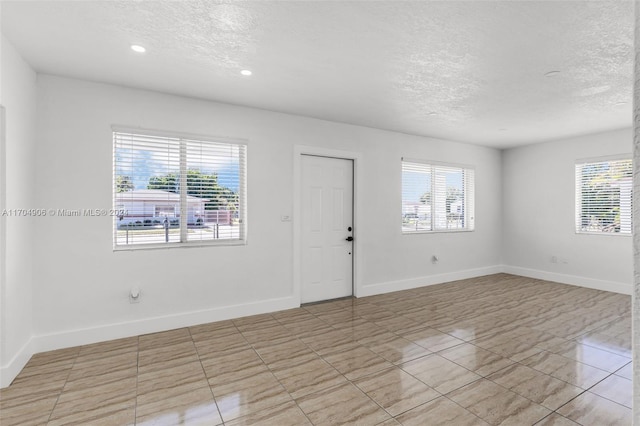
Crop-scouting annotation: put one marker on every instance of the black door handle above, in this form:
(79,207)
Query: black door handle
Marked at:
(349,238)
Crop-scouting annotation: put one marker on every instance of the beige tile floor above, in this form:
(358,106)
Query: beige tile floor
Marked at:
(499,350)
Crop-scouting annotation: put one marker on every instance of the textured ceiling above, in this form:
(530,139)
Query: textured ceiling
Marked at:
(471,71)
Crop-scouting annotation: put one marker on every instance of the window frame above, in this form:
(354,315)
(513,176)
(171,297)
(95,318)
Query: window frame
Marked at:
(578,197)
(184,138)
(468,194)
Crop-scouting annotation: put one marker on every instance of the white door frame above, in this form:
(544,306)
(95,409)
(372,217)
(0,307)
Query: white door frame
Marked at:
(298,152)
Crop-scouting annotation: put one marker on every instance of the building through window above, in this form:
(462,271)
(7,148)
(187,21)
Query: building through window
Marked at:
(178,190)
(437,197)
(604,191)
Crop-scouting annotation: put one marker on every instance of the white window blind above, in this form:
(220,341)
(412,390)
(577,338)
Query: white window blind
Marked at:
(604,196)
(437,197)
(177,190)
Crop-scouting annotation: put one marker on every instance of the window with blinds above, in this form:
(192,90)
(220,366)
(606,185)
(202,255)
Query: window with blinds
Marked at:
(172,190)
(437,197)
(604,196)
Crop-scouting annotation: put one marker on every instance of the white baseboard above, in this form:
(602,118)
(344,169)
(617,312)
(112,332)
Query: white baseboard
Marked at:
(12,369)
(389,286)
(90,335)
(616,287)
(85,336)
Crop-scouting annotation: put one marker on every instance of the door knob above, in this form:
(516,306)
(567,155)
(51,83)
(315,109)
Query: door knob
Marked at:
(349,238)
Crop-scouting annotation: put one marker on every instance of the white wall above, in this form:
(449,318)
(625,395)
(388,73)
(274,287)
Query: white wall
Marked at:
(78,291)
(539,215)
(17,173)
(81,285)
(395,261)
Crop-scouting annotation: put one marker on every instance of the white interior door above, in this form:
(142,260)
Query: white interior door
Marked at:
(327,228)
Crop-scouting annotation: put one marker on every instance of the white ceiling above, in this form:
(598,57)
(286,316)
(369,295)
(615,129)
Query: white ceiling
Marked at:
(471,71)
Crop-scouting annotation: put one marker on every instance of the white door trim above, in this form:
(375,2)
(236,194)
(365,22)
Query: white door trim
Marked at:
(298,152)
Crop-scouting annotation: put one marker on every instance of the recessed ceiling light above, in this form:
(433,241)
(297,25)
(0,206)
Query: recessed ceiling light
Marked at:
(552,73)
(433,113)
(246,72)
(137,48)
(620,103)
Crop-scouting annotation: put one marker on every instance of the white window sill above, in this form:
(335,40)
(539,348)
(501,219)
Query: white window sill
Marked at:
(169,246)
(439,231)
(608,234)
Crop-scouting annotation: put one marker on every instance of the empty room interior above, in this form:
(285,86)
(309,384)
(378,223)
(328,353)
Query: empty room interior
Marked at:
(319,212)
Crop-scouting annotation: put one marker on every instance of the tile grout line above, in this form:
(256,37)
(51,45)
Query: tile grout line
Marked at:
(204,372)
(583,390)
(135,407)
(292,398)
(376,372)
(370,319)
(274,375)
(428,355)
(330,365)
(520,363)
(340,373)
(75,359)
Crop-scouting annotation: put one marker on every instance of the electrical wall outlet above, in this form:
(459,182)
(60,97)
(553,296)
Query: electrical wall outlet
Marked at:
(135,295)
